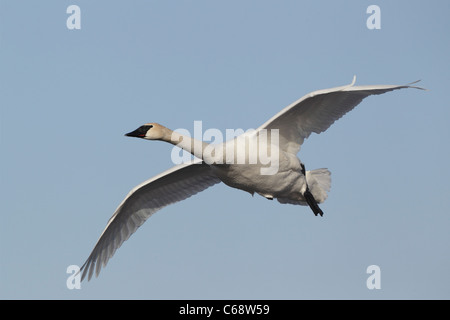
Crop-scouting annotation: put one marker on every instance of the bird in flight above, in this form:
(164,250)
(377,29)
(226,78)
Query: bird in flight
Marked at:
(288,182)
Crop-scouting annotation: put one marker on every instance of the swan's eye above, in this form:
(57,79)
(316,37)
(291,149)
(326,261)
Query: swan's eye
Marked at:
(143,129)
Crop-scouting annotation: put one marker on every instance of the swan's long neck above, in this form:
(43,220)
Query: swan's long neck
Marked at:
(193,146)
(246,149)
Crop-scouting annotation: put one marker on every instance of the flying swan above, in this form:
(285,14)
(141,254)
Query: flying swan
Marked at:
(289,183)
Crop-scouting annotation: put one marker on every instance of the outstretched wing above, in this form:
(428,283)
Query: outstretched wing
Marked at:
(171,186)
(318,110)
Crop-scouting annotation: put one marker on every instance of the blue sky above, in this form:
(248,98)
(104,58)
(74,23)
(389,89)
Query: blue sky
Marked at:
(68,96)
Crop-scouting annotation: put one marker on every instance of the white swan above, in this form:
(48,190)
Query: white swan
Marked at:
(315,112)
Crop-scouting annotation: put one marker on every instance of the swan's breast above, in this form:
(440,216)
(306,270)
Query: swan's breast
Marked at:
(287,179)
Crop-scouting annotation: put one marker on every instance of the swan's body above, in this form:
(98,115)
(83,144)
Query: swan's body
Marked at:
(289,183)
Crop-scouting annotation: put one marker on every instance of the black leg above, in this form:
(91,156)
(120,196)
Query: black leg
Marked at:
(310,198)
(312,203)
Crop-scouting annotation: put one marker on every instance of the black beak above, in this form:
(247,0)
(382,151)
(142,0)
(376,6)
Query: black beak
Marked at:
(139,132)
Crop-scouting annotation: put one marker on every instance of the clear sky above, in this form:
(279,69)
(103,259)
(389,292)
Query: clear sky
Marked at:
(67,98)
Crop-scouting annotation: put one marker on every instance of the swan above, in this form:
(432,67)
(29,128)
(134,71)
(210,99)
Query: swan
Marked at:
(289,183)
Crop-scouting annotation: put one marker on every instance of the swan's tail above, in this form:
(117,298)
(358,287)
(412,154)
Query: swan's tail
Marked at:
(319,183)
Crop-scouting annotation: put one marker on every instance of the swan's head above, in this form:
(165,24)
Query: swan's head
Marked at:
(149,131)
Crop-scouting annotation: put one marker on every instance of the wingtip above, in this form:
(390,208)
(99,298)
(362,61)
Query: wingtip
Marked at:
(416,87)
(348,85)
